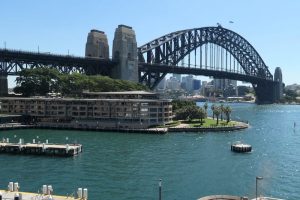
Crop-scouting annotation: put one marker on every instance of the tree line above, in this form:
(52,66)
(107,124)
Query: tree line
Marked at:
(40,81)
(188,110)
(218,111)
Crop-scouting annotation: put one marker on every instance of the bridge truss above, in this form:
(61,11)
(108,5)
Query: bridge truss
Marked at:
(209,51)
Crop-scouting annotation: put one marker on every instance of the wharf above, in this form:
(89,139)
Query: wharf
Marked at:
(107,129)
(11,126)
(57,126)
(8,195)
(41,149)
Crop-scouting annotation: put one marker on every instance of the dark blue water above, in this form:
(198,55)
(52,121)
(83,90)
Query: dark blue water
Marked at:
(128,166)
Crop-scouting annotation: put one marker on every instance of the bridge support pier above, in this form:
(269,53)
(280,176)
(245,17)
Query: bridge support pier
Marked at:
(125,52)
(3,85)
(265,92)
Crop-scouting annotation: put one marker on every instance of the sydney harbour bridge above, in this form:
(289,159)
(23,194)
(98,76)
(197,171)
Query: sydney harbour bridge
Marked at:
(208,51)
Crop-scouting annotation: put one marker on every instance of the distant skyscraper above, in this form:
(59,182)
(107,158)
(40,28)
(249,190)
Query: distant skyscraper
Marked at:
(177,76)
(173,84)
(203,85)
(190,83)
(196,84)
(97,45)
(222,84)
(162,84)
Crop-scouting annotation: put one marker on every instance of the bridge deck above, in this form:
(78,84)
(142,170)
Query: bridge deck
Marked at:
(19,60)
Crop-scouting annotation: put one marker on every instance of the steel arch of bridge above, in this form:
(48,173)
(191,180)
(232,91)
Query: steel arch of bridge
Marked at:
(162,55)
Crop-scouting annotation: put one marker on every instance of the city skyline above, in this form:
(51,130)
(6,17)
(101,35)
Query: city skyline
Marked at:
(62,27)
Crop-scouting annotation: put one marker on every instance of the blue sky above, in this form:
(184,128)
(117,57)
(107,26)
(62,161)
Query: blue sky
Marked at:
(59,26)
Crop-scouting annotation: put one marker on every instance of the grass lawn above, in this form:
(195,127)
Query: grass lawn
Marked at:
(208,122)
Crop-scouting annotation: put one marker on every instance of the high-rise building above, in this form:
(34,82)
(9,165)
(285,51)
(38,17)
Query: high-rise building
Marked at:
(97,45)
(177,76)
(162,84)
(173,84)
(222,84)
(196,84)
(125,52)
(189,83)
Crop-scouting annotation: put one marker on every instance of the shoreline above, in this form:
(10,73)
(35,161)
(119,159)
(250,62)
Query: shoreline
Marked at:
(177,129)
(185,128)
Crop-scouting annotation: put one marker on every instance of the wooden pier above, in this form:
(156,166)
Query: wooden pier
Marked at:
(41,149)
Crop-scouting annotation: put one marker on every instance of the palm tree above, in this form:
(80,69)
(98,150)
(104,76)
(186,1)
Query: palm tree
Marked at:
(227,111)
(212,107)
(221,110)
(205,107)
(201,113)
(217,112)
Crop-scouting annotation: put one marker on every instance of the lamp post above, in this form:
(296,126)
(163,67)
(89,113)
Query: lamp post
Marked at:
(159,190)
(257,178)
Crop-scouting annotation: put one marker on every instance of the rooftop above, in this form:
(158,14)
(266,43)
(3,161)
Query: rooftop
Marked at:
(125,26)
(94,30)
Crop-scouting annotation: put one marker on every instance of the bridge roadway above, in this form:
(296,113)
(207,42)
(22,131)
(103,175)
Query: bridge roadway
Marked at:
(204,71)
(13,61)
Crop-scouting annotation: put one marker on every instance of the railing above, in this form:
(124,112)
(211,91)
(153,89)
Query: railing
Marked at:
(15,51)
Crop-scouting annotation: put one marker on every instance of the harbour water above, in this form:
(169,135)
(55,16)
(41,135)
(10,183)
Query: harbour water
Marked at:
(191,165)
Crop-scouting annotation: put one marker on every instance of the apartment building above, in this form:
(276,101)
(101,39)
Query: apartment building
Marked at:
(105,109)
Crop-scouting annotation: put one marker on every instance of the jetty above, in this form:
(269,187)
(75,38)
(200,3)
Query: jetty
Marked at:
(13,193)
(41,149)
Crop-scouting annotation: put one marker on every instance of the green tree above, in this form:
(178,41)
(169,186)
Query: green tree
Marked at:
(227,111)
(217,112)
(38,81)
(205,106)
(221,111)
(191,113)
(201,114)
(181,114)
(179,104)
(212,107)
